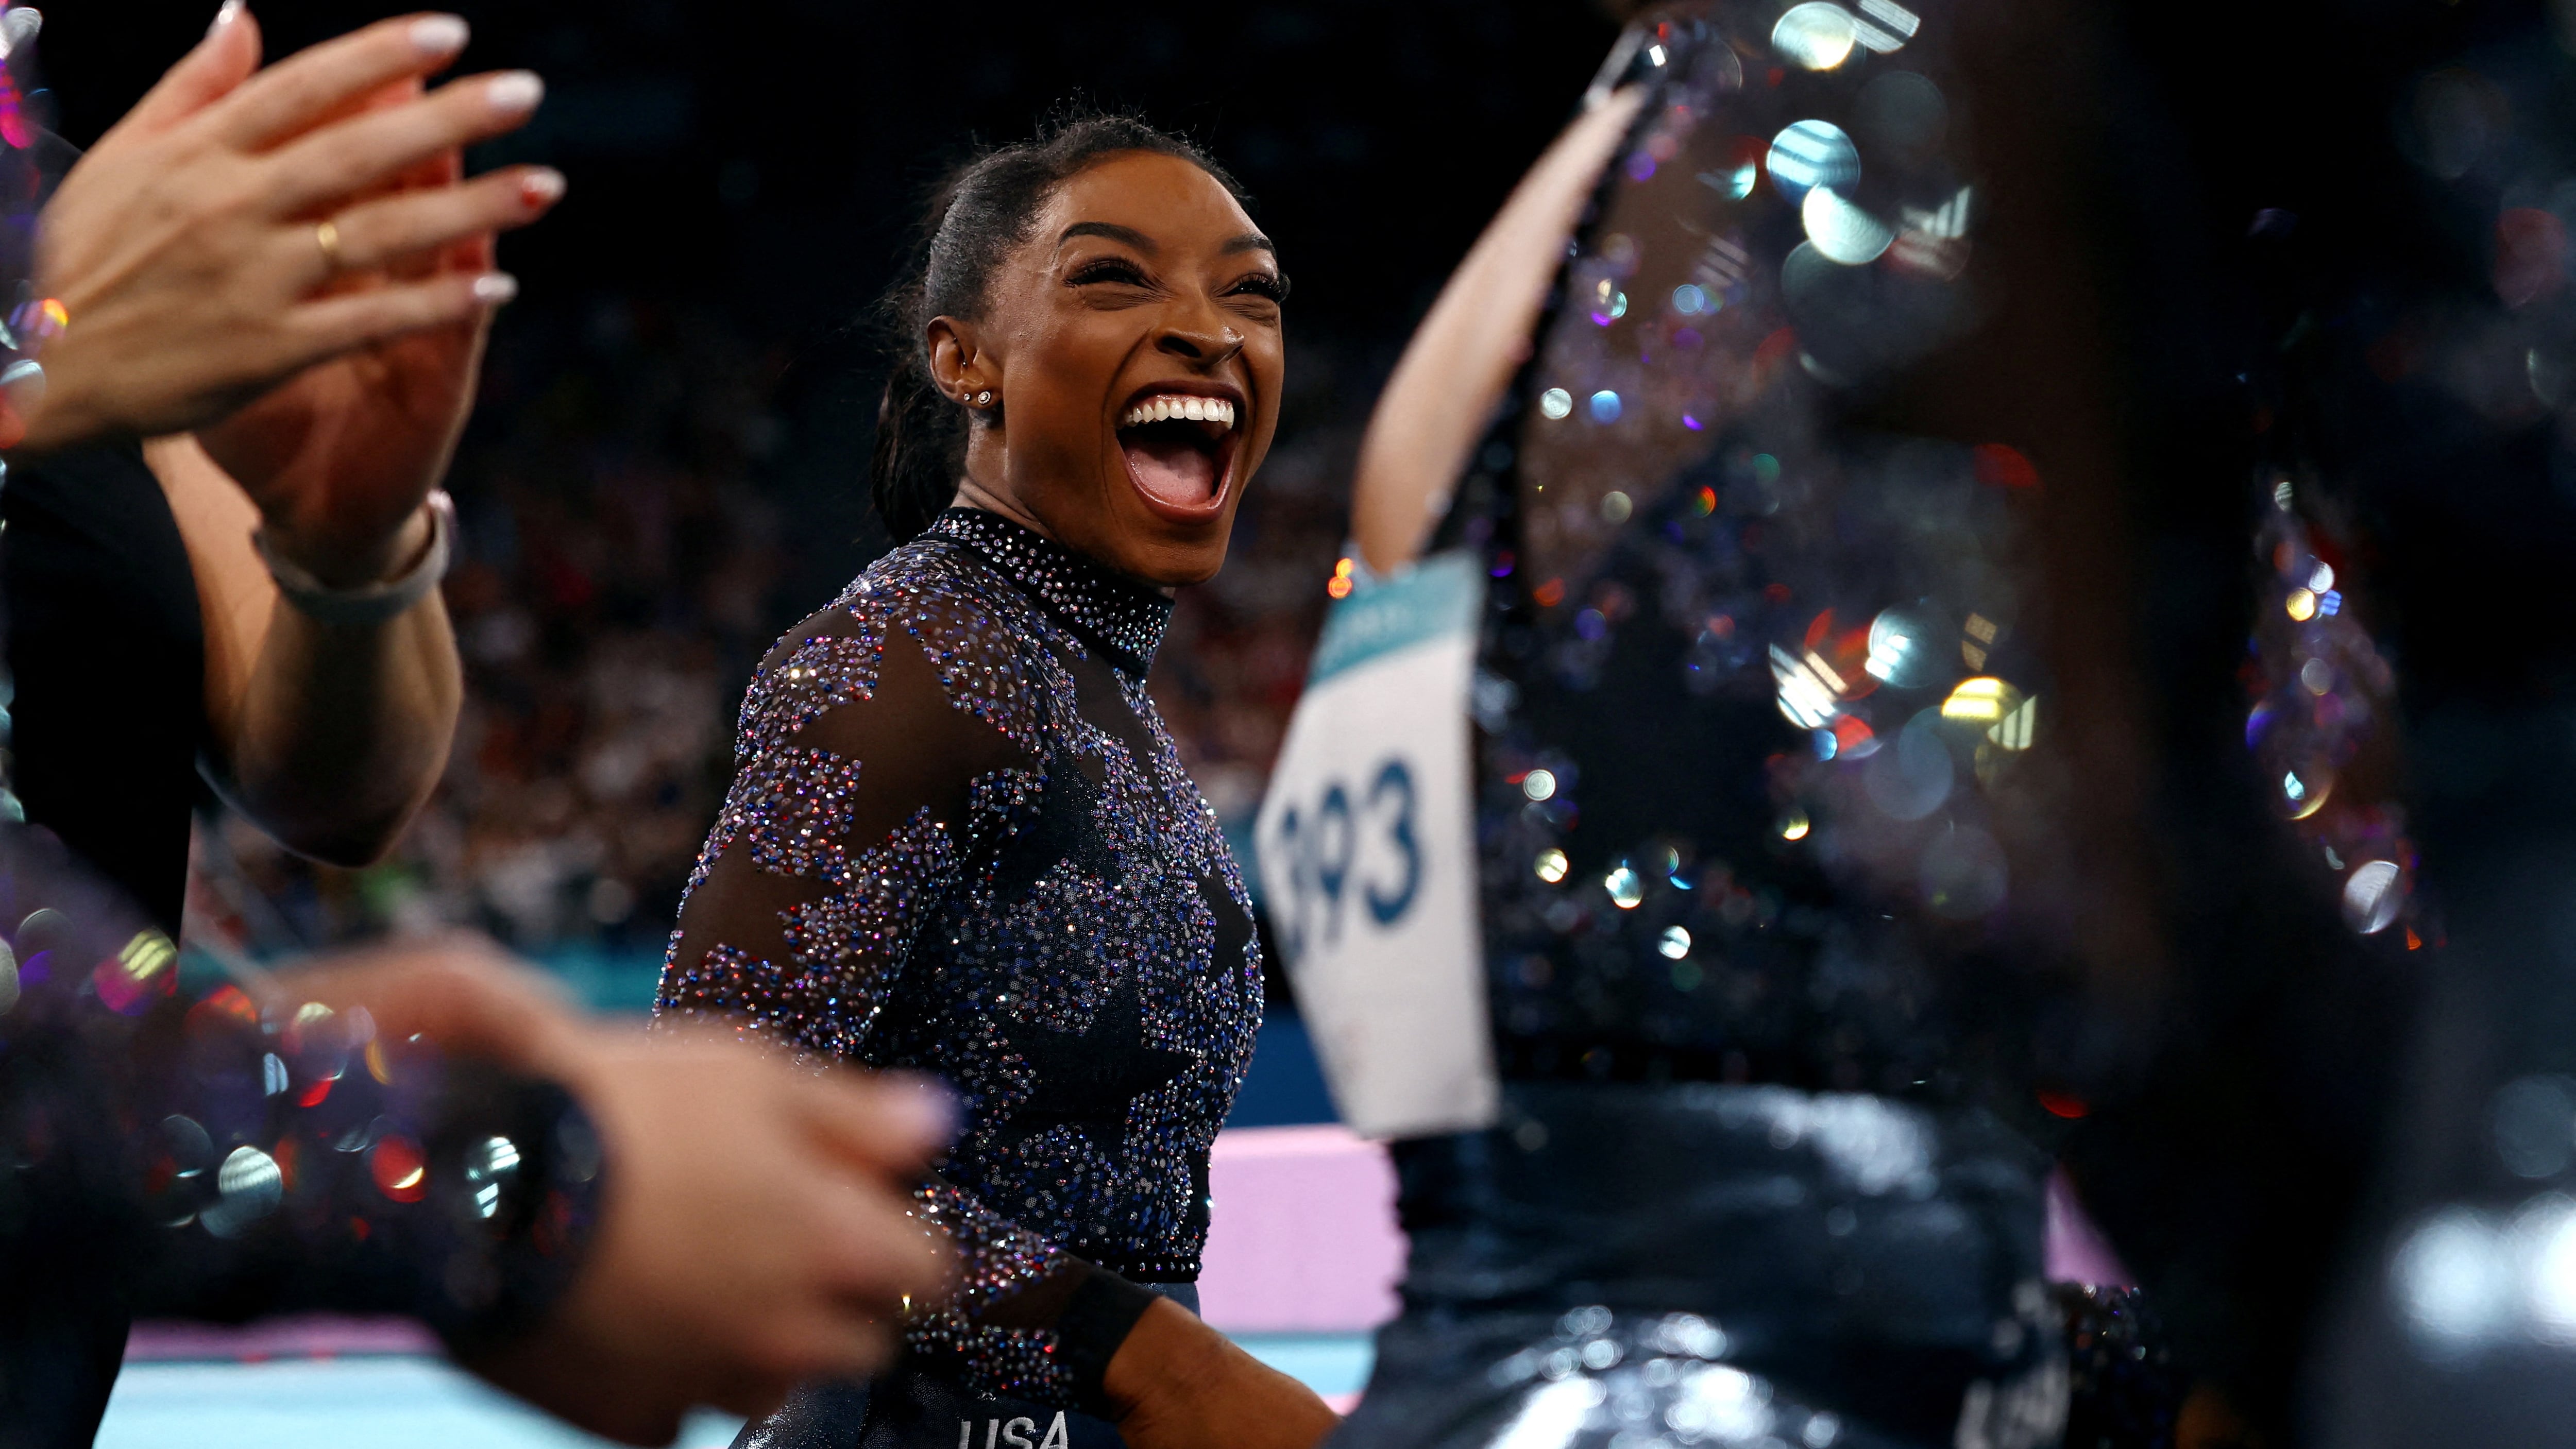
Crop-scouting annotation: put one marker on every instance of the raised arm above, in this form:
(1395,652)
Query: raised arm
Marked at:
(1463,355)
(329,734)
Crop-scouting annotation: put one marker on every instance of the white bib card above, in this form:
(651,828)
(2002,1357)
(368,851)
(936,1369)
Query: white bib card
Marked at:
(1366,848)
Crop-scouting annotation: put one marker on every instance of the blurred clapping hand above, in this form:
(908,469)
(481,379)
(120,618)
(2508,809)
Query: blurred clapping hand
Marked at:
(289,262)
(755,1233)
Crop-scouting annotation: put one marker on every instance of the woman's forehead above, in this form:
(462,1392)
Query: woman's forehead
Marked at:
(1147,200)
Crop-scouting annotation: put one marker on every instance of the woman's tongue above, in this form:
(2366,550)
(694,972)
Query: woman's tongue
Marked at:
(1173,470)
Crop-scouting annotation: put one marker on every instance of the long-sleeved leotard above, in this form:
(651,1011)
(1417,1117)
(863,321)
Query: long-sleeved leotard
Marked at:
(960,841)
(175,1147)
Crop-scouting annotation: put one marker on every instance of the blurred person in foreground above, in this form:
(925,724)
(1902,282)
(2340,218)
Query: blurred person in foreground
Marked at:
(1761,1171)
(287,262)
(960,840)
(1998,608)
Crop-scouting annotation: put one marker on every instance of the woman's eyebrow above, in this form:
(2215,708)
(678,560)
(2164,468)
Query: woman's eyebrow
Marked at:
(1251,241)
(1110,229)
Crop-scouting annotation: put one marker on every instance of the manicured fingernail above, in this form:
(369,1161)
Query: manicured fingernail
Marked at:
(542,187)
(514,91)
(927,1113)
(439,34)
(225,14)
(494,288)
(24,382)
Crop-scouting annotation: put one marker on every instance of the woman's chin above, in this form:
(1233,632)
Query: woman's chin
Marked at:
(1177,559)
(1174,547)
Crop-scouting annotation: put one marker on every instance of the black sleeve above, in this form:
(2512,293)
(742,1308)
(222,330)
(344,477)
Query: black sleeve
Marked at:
(107,651)
(184,1149)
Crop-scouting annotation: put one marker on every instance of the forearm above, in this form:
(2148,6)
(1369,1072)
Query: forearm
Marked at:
(329,735)
(344,729)
(999,1332)
(1176,1383)
(1031,1321)
(1453,372)
(1169,1356)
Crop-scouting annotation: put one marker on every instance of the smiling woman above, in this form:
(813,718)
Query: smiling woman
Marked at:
(960,840)
(1081,305)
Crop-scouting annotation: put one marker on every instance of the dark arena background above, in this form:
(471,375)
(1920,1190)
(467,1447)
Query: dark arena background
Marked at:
(668,465)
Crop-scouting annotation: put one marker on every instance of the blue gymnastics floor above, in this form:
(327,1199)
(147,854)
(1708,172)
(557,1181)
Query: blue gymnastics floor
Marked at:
(405,1402)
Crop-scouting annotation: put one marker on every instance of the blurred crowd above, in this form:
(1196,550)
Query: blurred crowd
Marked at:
(647,500)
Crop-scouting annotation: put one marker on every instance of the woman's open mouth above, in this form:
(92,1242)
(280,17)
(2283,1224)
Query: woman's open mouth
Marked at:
(1180,450)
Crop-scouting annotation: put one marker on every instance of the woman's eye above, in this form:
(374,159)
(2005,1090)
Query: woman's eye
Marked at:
(1109,270)
(1263,284)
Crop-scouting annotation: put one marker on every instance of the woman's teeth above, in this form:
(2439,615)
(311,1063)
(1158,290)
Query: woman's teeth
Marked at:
(1177,405)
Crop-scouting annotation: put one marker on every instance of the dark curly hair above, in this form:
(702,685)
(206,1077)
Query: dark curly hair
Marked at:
(980,211)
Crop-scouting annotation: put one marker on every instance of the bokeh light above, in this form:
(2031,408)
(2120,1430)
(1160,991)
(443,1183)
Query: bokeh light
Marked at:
(1810,154)
(1816,35)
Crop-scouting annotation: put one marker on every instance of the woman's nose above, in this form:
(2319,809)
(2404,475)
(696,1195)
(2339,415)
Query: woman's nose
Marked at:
(1200,341)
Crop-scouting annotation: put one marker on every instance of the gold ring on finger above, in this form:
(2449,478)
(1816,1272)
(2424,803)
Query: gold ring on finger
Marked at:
(326,235)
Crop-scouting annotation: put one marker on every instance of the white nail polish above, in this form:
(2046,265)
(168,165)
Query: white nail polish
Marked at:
(225,14)
(439,34)
(24,382)
(514,91)
(494,288)
(542,186)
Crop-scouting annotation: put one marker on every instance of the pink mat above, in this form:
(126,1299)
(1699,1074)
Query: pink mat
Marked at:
(1302,1238)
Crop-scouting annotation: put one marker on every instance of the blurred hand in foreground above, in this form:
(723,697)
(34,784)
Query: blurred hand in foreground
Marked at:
(755,1231)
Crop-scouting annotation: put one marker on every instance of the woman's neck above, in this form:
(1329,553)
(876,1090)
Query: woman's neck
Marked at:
(971,494)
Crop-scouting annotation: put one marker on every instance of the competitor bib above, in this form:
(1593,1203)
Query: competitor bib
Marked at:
(1366,848)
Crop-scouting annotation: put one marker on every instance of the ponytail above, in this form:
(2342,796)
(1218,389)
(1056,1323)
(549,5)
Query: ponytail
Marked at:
(920,446)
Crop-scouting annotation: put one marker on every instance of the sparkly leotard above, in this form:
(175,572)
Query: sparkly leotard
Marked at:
(1800,734)
(961,842)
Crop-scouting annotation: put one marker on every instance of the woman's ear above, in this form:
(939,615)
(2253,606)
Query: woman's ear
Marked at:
(955,358)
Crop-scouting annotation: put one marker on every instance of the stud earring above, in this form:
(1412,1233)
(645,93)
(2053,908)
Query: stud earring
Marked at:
(984,399)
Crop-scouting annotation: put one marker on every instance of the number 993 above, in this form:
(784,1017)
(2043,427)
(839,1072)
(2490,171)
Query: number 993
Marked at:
(1349,850)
